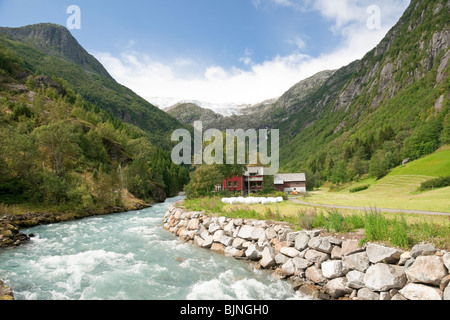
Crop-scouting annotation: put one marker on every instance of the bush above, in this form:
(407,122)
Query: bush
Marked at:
(361,188)
(436,183)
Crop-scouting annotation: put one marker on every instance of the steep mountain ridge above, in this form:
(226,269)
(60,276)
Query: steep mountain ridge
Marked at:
(56,40)
(51,50)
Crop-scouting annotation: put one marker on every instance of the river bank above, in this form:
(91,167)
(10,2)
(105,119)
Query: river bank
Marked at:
(11,236)
(323,267)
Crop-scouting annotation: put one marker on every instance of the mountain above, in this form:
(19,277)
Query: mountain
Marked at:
(51,50)
(224,109)
(390,105)
(188,113)
(60,152)
(366,117)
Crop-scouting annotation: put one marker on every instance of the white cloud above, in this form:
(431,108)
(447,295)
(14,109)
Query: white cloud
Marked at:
(188,78)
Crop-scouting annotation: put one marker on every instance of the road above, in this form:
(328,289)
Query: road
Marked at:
(366,208)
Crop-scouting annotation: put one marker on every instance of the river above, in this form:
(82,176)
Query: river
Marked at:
(129,256)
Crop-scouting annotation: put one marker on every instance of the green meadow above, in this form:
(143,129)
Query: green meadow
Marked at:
(398,190)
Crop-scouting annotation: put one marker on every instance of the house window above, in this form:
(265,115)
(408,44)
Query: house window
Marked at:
(235,184)
(229,184)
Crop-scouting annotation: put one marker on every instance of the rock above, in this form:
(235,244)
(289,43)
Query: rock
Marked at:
(446,295)
(213,227)
(301,241)
(290,252)
(280,245)
(367,294)
(337,288)
(446,259)
(444,282)
(246,232)
(301,263)
(320,244)
(291,236)
(233,252)
(271,233)
(193,224)
(208,242)
(226,240)
(415,291)
(288,268)
(281,259)
(405,256)
(383,277)
(423,250)
(258,233)
(229,228)
(377,253)
(332,269)
(336,253)
(312,291)
(355,279)
(238,243)
(357,261)
(316,256)
(268,258)
(315,275)
(217,236)
(218,248)
(198,241)
(351,247)
(427,269)
(253,253)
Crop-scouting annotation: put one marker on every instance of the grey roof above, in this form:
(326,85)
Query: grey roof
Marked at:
(289,177)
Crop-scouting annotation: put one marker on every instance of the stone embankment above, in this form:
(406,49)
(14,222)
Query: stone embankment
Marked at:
(320,267)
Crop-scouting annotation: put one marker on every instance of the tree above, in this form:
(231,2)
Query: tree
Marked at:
(203,180)
(59,141)
(378,166)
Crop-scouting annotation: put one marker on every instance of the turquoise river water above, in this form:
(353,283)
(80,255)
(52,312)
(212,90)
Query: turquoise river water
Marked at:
(129,256)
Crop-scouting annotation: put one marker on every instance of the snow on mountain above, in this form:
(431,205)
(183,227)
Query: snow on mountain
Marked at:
(225,109)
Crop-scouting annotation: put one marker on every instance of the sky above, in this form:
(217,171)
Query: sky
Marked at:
(218,51)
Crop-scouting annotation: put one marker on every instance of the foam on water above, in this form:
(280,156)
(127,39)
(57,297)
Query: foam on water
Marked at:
(128,256)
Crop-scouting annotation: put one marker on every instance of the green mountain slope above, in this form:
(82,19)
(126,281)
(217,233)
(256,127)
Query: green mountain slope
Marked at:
(51,50)
(61,152)
(369,116)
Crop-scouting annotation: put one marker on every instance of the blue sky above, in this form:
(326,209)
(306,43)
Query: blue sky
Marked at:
(220,51)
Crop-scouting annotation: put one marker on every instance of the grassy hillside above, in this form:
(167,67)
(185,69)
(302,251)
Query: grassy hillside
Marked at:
(399,189)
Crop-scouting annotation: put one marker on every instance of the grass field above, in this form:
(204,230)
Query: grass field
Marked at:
(398,190)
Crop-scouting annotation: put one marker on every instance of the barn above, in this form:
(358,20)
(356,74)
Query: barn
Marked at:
(290,182)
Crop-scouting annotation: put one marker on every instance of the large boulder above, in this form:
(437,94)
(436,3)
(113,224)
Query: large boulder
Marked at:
(337,288)
(416,291)
(383,277)
(427,269)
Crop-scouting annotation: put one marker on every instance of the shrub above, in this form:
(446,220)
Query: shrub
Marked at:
(440,182)
(360,188)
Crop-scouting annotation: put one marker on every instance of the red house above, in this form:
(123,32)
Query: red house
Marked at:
(251,181)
